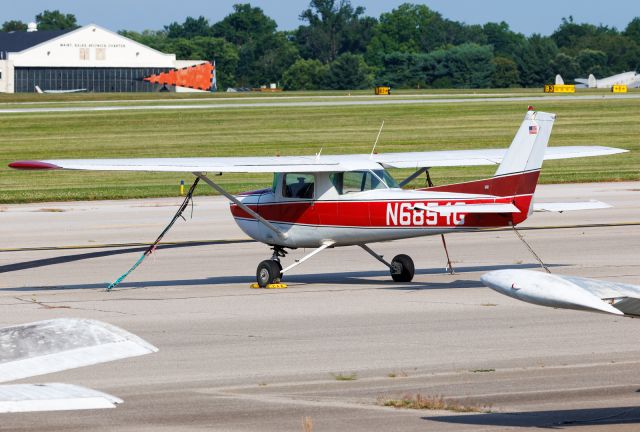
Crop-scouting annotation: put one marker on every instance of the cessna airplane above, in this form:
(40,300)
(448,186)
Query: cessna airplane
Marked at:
(630,79)
(55,345)
(342,200)
(566,292)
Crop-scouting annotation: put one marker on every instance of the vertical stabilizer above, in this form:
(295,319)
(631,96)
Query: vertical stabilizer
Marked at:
(559,80)
(592,83)
(526,152)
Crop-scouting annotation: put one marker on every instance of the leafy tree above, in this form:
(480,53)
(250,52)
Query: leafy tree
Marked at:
(245,25)
(633,30)
(349,71)
(333,28)
(13,25)
(305,75)
(593,62)
(408,28)
(209,48)
(463,66)
(55,20)
(263,52)
(191,27)
(271,62)
(567,66)
(151,38)
(402,70)
(570,33)
(535,61)
(505,42)
(506,73)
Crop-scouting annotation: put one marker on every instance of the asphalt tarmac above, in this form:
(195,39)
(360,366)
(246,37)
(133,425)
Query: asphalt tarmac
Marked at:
(342,338)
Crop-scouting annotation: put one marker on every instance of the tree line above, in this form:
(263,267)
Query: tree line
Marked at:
(337,46)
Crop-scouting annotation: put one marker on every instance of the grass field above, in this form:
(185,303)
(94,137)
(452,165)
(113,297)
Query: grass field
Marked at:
(292,131)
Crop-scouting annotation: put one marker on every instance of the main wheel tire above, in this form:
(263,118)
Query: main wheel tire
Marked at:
(268,272)
(402,268)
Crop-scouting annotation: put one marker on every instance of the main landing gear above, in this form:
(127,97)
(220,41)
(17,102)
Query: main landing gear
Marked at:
(270,271)
(401,267)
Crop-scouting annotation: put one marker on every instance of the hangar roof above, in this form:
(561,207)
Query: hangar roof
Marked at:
(21,40)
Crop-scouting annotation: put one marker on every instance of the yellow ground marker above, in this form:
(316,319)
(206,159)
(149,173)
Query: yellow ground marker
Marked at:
(269,286)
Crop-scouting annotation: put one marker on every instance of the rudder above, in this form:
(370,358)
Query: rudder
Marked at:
(526,152)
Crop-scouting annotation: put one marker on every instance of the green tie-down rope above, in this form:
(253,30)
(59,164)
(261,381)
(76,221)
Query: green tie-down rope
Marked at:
(153,246)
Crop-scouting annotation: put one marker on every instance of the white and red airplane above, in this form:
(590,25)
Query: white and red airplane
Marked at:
(342,200)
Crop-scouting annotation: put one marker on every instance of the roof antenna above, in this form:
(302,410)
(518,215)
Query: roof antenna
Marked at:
(318,154)
(377,138)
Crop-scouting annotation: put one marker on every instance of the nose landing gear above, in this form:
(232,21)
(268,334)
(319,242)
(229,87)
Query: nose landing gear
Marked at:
(270,271)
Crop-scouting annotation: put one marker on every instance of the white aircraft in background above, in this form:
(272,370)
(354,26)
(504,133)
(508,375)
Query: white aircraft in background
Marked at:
(566,292)
(40,91)
(55,345)
(630,79)
(344,200)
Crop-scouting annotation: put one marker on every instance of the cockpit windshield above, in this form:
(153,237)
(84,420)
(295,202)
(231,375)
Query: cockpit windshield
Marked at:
(360,181)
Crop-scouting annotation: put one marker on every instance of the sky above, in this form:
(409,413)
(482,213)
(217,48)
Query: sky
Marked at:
(538,16)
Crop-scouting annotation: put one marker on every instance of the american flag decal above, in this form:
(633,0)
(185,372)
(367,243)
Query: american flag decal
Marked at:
(533,129)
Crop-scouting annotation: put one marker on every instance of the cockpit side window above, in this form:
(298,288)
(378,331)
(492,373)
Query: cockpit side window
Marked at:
(297,185)
(360,181)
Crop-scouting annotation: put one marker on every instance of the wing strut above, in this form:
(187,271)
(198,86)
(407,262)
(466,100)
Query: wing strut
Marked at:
(236,201)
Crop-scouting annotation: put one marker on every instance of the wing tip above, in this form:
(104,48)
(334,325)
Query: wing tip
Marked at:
(33,165)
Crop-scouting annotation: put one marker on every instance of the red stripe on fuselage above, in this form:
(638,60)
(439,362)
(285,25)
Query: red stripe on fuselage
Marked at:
(392,213)
(503,186)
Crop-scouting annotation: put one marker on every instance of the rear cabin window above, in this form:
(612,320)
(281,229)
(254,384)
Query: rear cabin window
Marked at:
(298,185)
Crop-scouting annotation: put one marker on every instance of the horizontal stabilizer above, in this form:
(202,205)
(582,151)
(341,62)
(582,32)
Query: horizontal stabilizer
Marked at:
(569,206)
(52,397)
(59,344)
(469,208)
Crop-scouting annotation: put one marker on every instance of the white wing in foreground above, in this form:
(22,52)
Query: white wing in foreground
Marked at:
(324,163)
(52,397)
(55,345)
(566,292)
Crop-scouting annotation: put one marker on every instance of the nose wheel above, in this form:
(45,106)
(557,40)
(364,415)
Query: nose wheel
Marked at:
(268,272)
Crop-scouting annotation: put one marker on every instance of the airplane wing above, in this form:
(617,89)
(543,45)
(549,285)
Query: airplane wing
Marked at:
(566,292)
(481,157)
(324,163)
(43,347)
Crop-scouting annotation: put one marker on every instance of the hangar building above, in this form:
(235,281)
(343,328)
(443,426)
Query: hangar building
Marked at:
(91,58)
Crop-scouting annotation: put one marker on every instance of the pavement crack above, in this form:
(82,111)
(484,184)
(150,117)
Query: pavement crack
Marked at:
(44,305)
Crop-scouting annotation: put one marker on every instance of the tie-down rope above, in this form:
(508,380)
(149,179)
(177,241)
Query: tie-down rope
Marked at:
(153,246)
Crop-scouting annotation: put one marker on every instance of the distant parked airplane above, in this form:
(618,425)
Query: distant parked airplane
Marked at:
(39,90)
(630,79)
